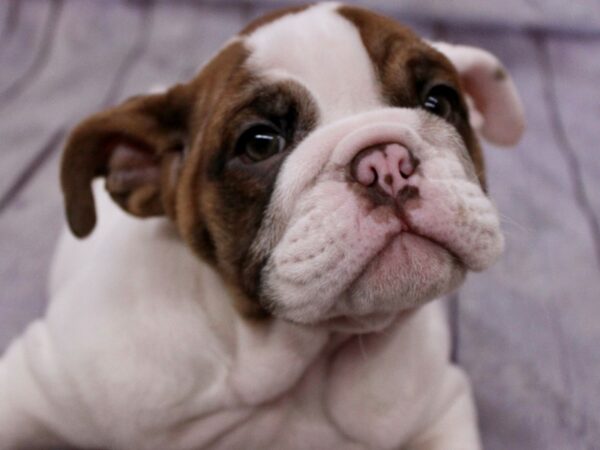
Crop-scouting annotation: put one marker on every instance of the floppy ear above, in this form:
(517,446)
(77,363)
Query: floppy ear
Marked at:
(137,146)
(495,108)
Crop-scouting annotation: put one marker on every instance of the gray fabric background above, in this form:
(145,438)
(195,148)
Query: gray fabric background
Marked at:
(527,331)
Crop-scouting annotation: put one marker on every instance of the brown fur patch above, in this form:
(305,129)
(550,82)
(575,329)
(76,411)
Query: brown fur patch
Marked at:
(406,65)
(222,197)
(126,144)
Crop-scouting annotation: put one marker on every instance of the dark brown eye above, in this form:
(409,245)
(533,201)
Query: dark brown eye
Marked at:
(260,142)
(441,100)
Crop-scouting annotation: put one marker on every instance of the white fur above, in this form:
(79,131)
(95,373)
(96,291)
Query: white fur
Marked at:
(141,348)
(309,44)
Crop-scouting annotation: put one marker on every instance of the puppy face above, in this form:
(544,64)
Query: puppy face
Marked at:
(324,162)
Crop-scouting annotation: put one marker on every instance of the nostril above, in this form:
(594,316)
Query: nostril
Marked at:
(384,166)
(365,175)
(405,168)
(408,166)
(374,176)
(366,167)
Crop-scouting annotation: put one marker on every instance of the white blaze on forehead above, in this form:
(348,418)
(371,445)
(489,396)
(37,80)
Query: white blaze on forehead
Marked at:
(324,52)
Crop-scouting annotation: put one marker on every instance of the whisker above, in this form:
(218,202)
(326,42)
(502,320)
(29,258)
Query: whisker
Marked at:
(510,221)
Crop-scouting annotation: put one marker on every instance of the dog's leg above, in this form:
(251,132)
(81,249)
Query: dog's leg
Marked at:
(27,385)
(454,421)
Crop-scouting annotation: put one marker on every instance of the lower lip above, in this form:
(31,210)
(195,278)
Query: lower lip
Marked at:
(408,248)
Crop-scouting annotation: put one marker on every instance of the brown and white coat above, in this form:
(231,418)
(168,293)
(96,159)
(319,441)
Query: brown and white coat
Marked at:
(284,299)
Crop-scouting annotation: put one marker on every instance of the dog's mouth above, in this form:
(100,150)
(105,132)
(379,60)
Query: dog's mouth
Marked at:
(408,271)
(407,198)
(409,263)
(348,262)
(447,247)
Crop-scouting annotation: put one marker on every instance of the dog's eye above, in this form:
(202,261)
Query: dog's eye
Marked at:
(441,100)
(260,142)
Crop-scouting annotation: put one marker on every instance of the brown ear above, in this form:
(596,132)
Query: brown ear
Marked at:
(137,146)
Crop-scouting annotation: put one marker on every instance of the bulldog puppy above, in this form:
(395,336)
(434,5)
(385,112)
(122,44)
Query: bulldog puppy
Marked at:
(316,186)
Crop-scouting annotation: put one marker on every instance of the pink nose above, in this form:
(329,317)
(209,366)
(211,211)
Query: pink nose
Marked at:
(387,166)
